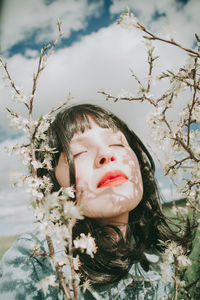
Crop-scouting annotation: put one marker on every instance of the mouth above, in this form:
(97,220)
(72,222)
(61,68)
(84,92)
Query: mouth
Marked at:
(112,178)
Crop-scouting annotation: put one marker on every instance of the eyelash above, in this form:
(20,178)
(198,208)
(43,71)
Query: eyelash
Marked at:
(120,145)
(77,154)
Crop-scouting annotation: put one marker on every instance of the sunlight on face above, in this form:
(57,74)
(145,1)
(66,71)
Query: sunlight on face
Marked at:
(108,177)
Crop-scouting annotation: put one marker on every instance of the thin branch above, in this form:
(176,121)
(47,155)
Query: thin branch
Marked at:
(172,42)
(179,78)
(108,96)
(64,287)
(190,108)
(35,78)
(61,105)
(150,62)
(177,164)
(187,149)
(40,68)
(176,284)
(12,81)
(71,261)
(121,98)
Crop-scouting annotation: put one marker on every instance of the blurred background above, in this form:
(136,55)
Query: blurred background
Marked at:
(94,53)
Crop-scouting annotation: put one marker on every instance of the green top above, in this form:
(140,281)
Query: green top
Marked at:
(20,272)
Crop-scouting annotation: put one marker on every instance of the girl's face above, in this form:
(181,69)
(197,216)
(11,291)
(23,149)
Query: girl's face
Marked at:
(108,178)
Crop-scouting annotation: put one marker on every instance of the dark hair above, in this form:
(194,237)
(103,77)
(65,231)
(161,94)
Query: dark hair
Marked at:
(147,224)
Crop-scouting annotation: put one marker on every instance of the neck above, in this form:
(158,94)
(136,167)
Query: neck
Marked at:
(120,221)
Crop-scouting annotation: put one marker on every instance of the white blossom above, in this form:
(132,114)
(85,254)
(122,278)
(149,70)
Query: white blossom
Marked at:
(54,214)
(52,200)
(19,122)
(36,164)
(42,127)
(45,283)
(69,191)
(71,210)
(19,97)
(60,259)
(76,262)
(87,243)
(44,61)
(61,234)
(125,94)
(45,228)
(166,271)
(39,213)
(128,20)
(184,261)
(47,162)
(34,187)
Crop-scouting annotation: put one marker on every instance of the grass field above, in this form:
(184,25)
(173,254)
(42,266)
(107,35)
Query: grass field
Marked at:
(5,243)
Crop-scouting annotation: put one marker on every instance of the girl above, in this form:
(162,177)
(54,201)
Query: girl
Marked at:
(114,178)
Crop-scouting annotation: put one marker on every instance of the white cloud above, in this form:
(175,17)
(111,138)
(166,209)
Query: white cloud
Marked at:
(182,20)
(15,212)
(29,17)
(10,164)
(16,215)
(100,60)
(31,53)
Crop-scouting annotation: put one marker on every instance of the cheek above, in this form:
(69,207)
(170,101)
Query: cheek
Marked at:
(130,160)
(83,174)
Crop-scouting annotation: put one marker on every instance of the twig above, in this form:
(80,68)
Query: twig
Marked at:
(121,98)
(172,42)
(61,105)
(186,148)
(176,285)
(64,287)
(41,68)
(11,80)
(190,108)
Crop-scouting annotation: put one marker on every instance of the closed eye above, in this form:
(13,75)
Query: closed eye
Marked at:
(119,145)
(79,153)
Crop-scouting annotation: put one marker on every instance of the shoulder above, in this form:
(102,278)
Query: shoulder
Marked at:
(21,270)
(139,284)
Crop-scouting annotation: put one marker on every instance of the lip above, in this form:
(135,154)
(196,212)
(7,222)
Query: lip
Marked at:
(116,177)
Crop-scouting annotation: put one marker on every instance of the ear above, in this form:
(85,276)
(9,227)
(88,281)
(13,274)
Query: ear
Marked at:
(62,171)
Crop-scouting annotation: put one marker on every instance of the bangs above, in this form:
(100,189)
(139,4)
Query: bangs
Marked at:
(78,120)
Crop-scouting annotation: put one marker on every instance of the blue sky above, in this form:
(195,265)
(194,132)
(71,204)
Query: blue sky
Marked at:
(94,23)
(94,53)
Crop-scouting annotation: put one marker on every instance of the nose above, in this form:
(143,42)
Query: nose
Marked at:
(104,159)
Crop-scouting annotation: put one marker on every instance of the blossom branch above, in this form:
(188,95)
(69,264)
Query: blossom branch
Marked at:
(190,108)
(172,42)
(176,283)
(53,110)
(41,64)
(17,91)
(64,287)
(128,19)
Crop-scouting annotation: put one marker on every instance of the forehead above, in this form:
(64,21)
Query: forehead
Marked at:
(93,127)
(93,130)
(78,121)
